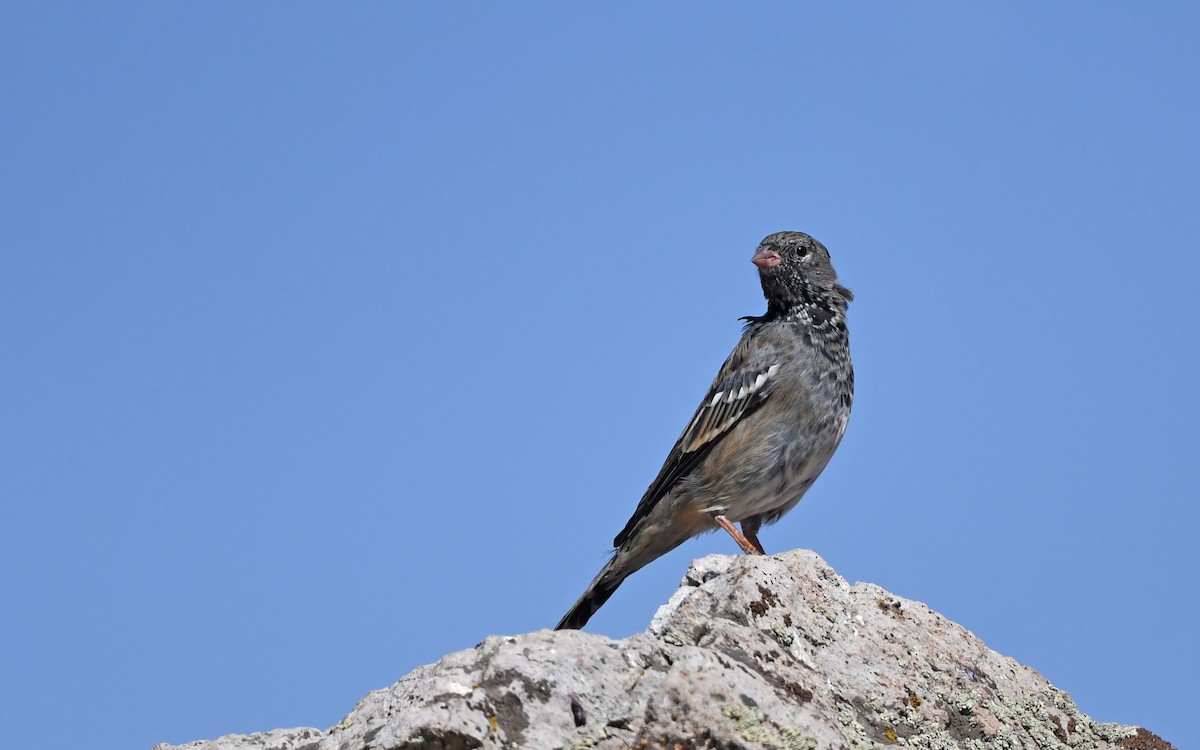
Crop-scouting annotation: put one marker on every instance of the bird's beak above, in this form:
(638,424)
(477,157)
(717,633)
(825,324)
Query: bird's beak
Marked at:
(766,258)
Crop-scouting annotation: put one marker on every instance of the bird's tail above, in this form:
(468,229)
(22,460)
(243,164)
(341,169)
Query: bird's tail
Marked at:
(601,587)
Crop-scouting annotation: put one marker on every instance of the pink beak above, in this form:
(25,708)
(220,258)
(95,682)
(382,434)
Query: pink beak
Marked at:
(766,258)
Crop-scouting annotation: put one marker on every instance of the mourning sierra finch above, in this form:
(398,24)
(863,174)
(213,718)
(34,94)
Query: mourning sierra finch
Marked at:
(764,432)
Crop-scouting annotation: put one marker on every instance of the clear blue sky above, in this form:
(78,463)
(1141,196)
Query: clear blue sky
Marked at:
(338,337)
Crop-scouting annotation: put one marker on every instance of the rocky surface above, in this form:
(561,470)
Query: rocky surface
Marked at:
(751,652)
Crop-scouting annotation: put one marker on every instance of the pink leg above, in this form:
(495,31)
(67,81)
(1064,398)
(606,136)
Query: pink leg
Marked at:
(750,548)
(750,529)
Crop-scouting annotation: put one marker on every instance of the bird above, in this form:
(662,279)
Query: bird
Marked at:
(770,422)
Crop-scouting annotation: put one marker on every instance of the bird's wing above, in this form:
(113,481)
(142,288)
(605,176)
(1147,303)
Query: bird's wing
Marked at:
(745,382)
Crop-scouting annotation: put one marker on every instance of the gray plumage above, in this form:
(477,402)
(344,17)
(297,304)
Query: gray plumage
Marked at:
(769,424)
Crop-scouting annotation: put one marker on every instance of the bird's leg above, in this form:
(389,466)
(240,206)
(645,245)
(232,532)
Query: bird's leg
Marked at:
(750,548)
(750,531)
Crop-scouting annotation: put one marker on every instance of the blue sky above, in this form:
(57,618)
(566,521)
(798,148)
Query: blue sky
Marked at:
(337,338)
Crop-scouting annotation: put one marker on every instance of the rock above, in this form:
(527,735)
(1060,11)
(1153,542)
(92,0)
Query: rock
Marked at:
(752,652)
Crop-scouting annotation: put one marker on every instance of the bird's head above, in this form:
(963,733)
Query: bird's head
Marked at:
(795,269)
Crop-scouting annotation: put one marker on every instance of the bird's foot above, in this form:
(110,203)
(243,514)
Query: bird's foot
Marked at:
(752,537)
(749,547)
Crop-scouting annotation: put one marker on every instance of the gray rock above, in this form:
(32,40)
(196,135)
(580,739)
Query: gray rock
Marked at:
(751,652)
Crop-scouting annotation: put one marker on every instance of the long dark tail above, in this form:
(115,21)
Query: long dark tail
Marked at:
(594,598)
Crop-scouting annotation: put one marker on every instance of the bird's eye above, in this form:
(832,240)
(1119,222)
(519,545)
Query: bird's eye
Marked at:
(801,251)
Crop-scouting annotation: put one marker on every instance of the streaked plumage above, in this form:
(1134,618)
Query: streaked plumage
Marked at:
(769,424)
